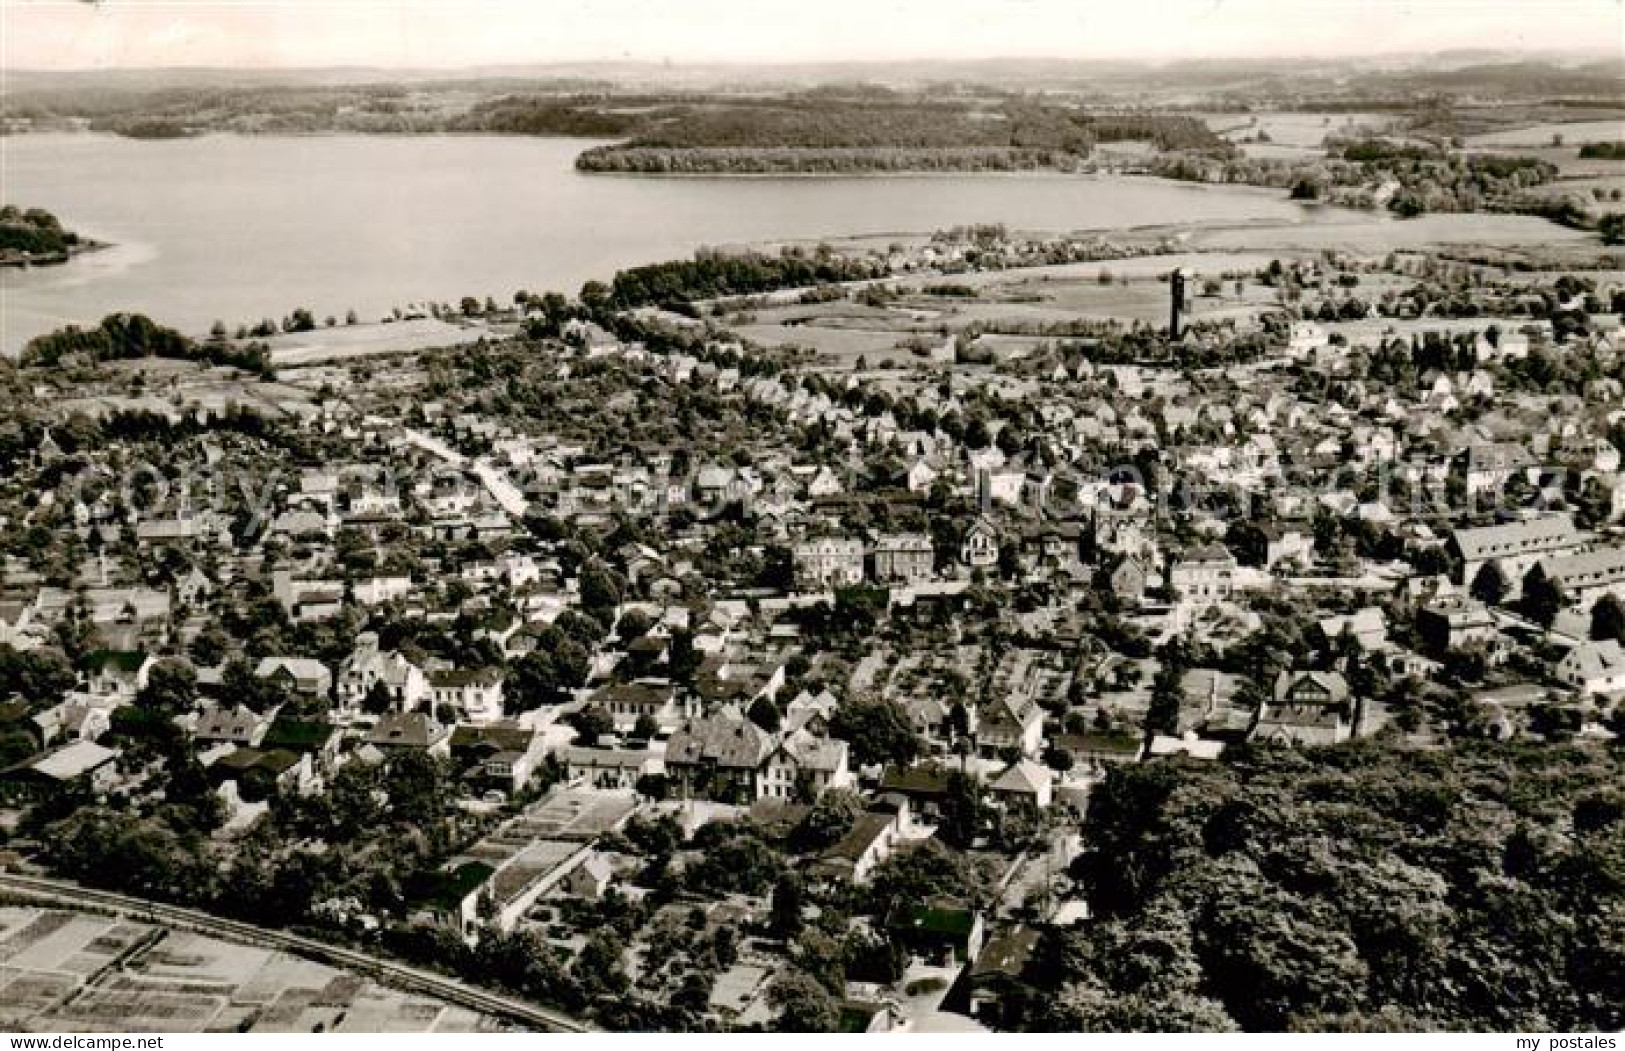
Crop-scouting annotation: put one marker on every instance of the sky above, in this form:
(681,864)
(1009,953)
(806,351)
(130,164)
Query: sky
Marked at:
(74,34)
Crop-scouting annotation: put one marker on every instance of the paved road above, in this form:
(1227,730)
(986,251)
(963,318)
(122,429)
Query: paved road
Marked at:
(507,495)
(399,975)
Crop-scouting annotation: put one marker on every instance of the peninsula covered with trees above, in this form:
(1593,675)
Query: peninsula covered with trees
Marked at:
(879,130)
(35,237)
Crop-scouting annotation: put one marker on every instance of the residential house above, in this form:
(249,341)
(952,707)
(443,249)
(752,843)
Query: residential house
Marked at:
(72,721)
(319,739)
(591,878)
(1093,753)
(1024,784)
(474,694)
(1012,721)
(1204,575)
(980,548)
(852,859)
(828,562)
(1486,468)
(1366,627)
(1128,580)
(1593,667)
(1306,708)
(1305,339)
(923,785)
(410,730)
(722,757)
(804,766)
(940,931)
(298,675)
(257,773)
(626,703)
(369,666)
(238,725)
(1283,546)
(920,477)
(904,559)
(1002,970)
(608,768)
(501,754)
(114,677)
(77,766)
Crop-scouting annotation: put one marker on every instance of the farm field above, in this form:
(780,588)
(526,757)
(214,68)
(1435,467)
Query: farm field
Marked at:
(359,341)
(841,334)
(74,972)
(1305,130)
(1379,234)
(1573,134)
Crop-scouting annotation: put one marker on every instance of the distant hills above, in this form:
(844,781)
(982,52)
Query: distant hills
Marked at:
(1602,71)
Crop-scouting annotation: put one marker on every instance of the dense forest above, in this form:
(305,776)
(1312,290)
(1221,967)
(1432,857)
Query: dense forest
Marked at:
(783,160)
(830,133)
(1355,888)
(34,236)
(551,115)
(712,274)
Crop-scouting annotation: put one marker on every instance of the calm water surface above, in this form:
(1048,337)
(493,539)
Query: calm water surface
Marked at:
(240,228)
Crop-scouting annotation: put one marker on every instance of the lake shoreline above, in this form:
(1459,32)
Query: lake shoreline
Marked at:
(1216,238)
(241,228)
(84,247)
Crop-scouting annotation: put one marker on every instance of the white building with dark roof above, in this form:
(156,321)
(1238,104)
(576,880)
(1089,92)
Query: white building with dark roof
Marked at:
(1593,667)
(1586,577)
(1514,547)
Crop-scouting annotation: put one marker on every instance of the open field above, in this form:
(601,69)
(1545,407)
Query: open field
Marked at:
(1020,298)
(359,341)
(168,387)
(68,971)
(1300,130)
(1379,234)
(1541,134)
(842,332)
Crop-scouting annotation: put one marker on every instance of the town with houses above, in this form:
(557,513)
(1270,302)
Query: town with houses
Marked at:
(675,680)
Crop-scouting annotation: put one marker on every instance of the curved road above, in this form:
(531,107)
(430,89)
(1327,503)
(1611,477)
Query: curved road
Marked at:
(399,975)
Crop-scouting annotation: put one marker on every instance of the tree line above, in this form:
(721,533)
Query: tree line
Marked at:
(124,337)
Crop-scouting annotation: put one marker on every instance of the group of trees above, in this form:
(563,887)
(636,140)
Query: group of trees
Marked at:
(1428,179)
(1608,151)
(34,234)
(1360,887)
(122,337)
(709,275)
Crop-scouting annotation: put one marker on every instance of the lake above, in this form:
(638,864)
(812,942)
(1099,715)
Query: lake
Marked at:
(245,227)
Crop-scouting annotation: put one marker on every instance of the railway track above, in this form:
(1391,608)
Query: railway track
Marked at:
(398,975)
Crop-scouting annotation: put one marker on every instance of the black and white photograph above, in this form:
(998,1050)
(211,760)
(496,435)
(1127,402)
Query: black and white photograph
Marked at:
(612,519)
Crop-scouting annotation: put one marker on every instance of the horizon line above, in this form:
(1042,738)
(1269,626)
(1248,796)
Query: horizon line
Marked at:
(1510,54)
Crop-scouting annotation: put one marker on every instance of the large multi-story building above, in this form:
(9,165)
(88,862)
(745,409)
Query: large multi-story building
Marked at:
(1584,578)
(1513,548)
